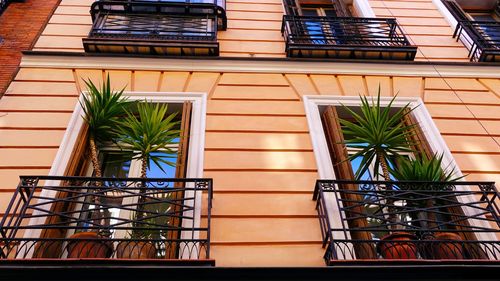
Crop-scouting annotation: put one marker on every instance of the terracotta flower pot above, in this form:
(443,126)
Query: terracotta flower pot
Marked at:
(398,245)
(90,246)
(135,250)
(449,247)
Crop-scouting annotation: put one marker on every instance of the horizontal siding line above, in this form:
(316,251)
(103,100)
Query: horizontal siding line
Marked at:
(247,19)
(439,46)
(257,11)
(480,172)
(253,99)
(74,5)
(256,114)
(250,52)
(264,216)
(60,48)
(461,103)
(63,35)
(485,135)
(84,24)
(453,90)
(476,152)
(408,17)
(253,29)
(33,128)
(465,118)
(45,81)
(43,95)
(404,9)
(254,85)
(259,170)
(264,243)
(35,111)
(25,167)
(425,25)
(252,3)
(289,192)
(258,149)
(70,14)
(28,146)
(257,132)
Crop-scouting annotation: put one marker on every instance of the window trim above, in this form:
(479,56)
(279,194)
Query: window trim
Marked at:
(196,143)
(322,154)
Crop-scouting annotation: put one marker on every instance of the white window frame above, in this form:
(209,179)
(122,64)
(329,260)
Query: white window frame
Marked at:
(421,115)
(195,159)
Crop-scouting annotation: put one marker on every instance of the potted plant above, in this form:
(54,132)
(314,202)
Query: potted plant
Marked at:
(426,171)
(101,112)
(148,135)
(378,135)
(147,228)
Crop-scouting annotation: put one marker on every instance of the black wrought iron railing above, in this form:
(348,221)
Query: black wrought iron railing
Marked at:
(107,218)
(169,28)
(155,27)
(370,220)
(482,38)
(355,37)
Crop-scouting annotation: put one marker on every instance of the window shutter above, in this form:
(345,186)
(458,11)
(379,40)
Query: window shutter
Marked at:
(181,165)
(76,167)
(292,8)
(422,147)
(343,170)
(419,143)
(180,172)
(340,8)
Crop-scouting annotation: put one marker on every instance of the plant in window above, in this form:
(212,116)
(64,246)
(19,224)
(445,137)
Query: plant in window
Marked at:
(378,136)
(149,134)
(102,109)
(424,206)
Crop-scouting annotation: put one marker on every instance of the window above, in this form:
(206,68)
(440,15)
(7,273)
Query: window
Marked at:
(364,207)
(327,29)
(189,165)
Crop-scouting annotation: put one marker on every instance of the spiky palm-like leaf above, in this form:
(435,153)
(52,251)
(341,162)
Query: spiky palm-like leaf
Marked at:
(377,133)
(151,130)
(101,110)
(423,169)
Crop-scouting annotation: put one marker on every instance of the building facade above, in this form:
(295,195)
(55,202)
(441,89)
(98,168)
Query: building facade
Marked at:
(259,76)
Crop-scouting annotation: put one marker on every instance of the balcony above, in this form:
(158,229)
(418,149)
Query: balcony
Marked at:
(162,221)
(483,39)
(166,28)
(346,38)
(369,222)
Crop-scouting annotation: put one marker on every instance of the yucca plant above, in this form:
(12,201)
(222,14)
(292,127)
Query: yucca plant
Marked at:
(102,109)
(147,131)
(378,134)
(424,171)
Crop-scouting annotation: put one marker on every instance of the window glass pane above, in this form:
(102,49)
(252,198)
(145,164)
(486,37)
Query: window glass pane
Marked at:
(168,170)
(115,165)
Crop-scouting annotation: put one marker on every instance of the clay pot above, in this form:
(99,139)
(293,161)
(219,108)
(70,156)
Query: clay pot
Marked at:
(91,246)
(393,246)
(443,250)
(135,250)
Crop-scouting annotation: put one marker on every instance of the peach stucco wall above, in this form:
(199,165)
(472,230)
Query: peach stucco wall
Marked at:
(258,148)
